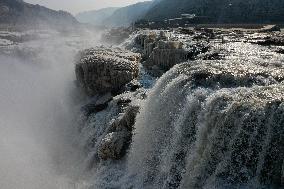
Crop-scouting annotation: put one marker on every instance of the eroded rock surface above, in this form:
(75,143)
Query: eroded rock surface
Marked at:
(113,145)
(117,141)
(167,54)
(102,70)
(161,50)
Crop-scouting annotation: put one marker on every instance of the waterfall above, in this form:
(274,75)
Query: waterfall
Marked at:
(203,124)
(211,124)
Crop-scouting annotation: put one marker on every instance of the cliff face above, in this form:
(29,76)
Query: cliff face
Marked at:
(102,70)
(17,12)
(221,11)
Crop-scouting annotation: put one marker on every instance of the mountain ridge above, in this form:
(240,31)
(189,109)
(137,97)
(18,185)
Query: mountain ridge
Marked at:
(19,13)
(116,17)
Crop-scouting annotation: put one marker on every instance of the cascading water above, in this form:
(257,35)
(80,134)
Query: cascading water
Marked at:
(215,124)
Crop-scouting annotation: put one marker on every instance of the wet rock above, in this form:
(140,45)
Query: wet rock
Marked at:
(145,37)
(139,39)
(163,51)
(113,146)
(164,35)
(280,51)
(147,41)
(133,86)
(272,40)
(204,34)
(195,49)
(161,55)
(150,38)
(126,121)
(149,44)
(212,55)
(97,104)
(123,103)
(166,55)
(186,31)
(169,45)
(118,141)
(101,70)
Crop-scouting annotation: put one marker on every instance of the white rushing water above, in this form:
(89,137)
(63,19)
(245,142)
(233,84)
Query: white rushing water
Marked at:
(38,114)
(203,128)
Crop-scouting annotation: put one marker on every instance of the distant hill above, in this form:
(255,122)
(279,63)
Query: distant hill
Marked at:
(221,11)
(116,17)
(127,15)
(96,17)
(19,13)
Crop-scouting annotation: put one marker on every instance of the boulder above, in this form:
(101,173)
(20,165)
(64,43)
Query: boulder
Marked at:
(133,86)
(166,54)
(169,53)
(161,52)
(113,146)
(123,104)
(101,70)
(166,58)
(126,121)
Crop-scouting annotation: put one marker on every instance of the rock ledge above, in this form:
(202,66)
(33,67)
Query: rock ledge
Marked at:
(101,70)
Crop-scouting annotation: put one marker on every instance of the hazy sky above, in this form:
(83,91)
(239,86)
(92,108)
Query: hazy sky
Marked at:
(75,6)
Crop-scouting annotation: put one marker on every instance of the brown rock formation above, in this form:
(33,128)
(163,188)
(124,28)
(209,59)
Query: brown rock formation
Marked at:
(102,70)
